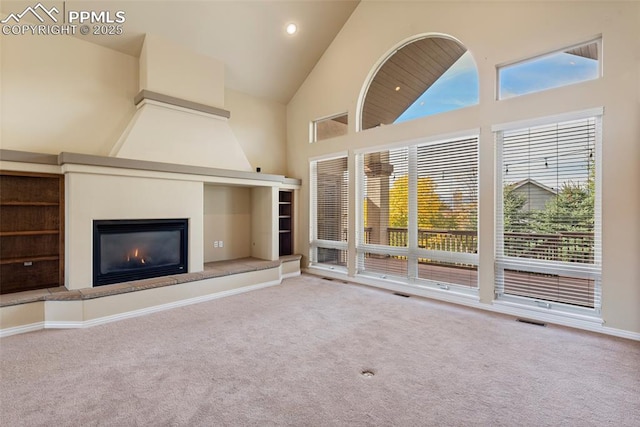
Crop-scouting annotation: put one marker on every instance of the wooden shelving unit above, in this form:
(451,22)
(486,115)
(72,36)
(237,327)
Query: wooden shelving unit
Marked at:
(31,231)
(285,222)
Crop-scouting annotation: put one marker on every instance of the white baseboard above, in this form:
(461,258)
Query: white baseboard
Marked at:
(587,323)
(290,275)
(22,329)
(131,314)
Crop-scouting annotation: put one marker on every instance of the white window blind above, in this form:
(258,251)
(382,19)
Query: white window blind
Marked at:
(418,217)
(329,211)
(447,211)
(548,242)
(385,211)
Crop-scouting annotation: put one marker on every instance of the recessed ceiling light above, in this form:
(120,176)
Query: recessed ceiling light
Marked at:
(397,88)
(292,28)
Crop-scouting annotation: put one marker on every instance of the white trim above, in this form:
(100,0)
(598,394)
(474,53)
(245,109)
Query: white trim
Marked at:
(175,304)
(22,329)
(331,156)
(576,321)
(422,141)
(290,275)
(329,244)
(313,125)
(546,120)
(583,271)
(597,39)
(136,313)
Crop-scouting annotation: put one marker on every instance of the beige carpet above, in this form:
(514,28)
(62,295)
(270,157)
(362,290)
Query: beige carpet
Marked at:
(294,355)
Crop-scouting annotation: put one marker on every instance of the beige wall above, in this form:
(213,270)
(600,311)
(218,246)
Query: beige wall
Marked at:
(62,93)
(494,32)
(171,69)
(227,218)
(97,193)
(264,223)
(260,127)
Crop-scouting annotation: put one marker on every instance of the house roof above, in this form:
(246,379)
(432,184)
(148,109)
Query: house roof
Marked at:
(524,182)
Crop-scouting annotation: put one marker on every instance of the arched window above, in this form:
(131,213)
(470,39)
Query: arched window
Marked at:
(427,75)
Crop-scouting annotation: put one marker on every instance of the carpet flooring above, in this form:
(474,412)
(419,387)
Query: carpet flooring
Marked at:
(295,354)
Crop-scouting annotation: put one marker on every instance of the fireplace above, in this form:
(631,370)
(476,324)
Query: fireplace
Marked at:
(125,250)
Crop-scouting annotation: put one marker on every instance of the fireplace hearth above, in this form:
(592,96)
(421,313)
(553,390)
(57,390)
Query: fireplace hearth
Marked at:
(125,250)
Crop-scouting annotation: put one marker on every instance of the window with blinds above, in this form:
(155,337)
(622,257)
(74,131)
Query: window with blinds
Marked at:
(385,211)
(418,216)
(329,211)
(548,242)
(447,212)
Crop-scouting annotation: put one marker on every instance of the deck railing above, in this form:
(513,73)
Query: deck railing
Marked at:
(465,241)
(566,246)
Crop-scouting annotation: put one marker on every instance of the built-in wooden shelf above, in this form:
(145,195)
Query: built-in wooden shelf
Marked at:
(29,204)
(28,233)
(31,231)
(285,222)
(30,259)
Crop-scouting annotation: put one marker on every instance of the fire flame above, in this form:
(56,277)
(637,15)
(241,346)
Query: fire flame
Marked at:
(136,256)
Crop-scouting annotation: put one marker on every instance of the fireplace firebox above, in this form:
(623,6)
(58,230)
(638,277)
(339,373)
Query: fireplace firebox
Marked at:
(125,250)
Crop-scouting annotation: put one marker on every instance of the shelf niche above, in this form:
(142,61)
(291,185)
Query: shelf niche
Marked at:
(285,222)
(31,231)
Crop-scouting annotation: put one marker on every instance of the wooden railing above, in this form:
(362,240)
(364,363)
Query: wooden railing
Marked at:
(566,247)
(465,241)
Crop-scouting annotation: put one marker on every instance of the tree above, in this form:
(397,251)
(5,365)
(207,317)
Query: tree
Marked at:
(432,211)
(516,220)
(571,210)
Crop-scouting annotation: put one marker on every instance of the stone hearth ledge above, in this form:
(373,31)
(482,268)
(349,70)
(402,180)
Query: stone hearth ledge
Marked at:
(211,270)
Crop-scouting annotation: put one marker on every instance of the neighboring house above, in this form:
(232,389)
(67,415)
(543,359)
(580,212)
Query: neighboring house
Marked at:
(536,193)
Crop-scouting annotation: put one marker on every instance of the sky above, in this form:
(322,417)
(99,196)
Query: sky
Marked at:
(459,87)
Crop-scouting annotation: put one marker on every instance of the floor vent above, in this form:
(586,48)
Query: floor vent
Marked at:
(401,295)
(328,278)
(531,322)
(367,373)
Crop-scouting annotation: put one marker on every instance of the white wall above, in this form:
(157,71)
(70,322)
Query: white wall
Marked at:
(260,127)
(495,32)
(171,69)
(227,218)
(61,93)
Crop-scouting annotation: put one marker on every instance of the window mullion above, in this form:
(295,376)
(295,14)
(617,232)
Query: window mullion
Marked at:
(413,213)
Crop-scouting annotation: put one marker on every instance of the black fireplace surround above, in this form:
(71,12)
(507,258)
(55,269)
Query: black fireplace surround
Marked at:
(125,250)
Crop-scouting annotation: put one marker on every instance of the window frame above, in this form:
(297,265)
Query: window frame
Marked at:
(499,97)
(570,269)
(314,242)
(412,252)
(313,127)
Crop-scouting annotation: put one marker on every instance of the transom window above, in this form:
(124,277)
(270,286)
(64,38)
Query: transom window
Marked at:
(426,76)
(556,69)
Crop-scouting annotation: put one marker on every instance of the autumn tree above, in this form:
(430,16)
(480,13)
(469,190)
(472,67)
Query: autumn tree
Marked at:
(432,211)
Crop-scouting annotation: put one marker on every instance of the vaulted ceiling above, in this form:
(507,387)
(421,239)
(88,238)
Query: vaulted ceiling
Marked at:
(249,37)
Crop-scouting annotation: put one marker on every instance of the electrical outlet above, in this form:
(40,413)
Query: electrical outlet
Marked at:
(221,244)
(215,243)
